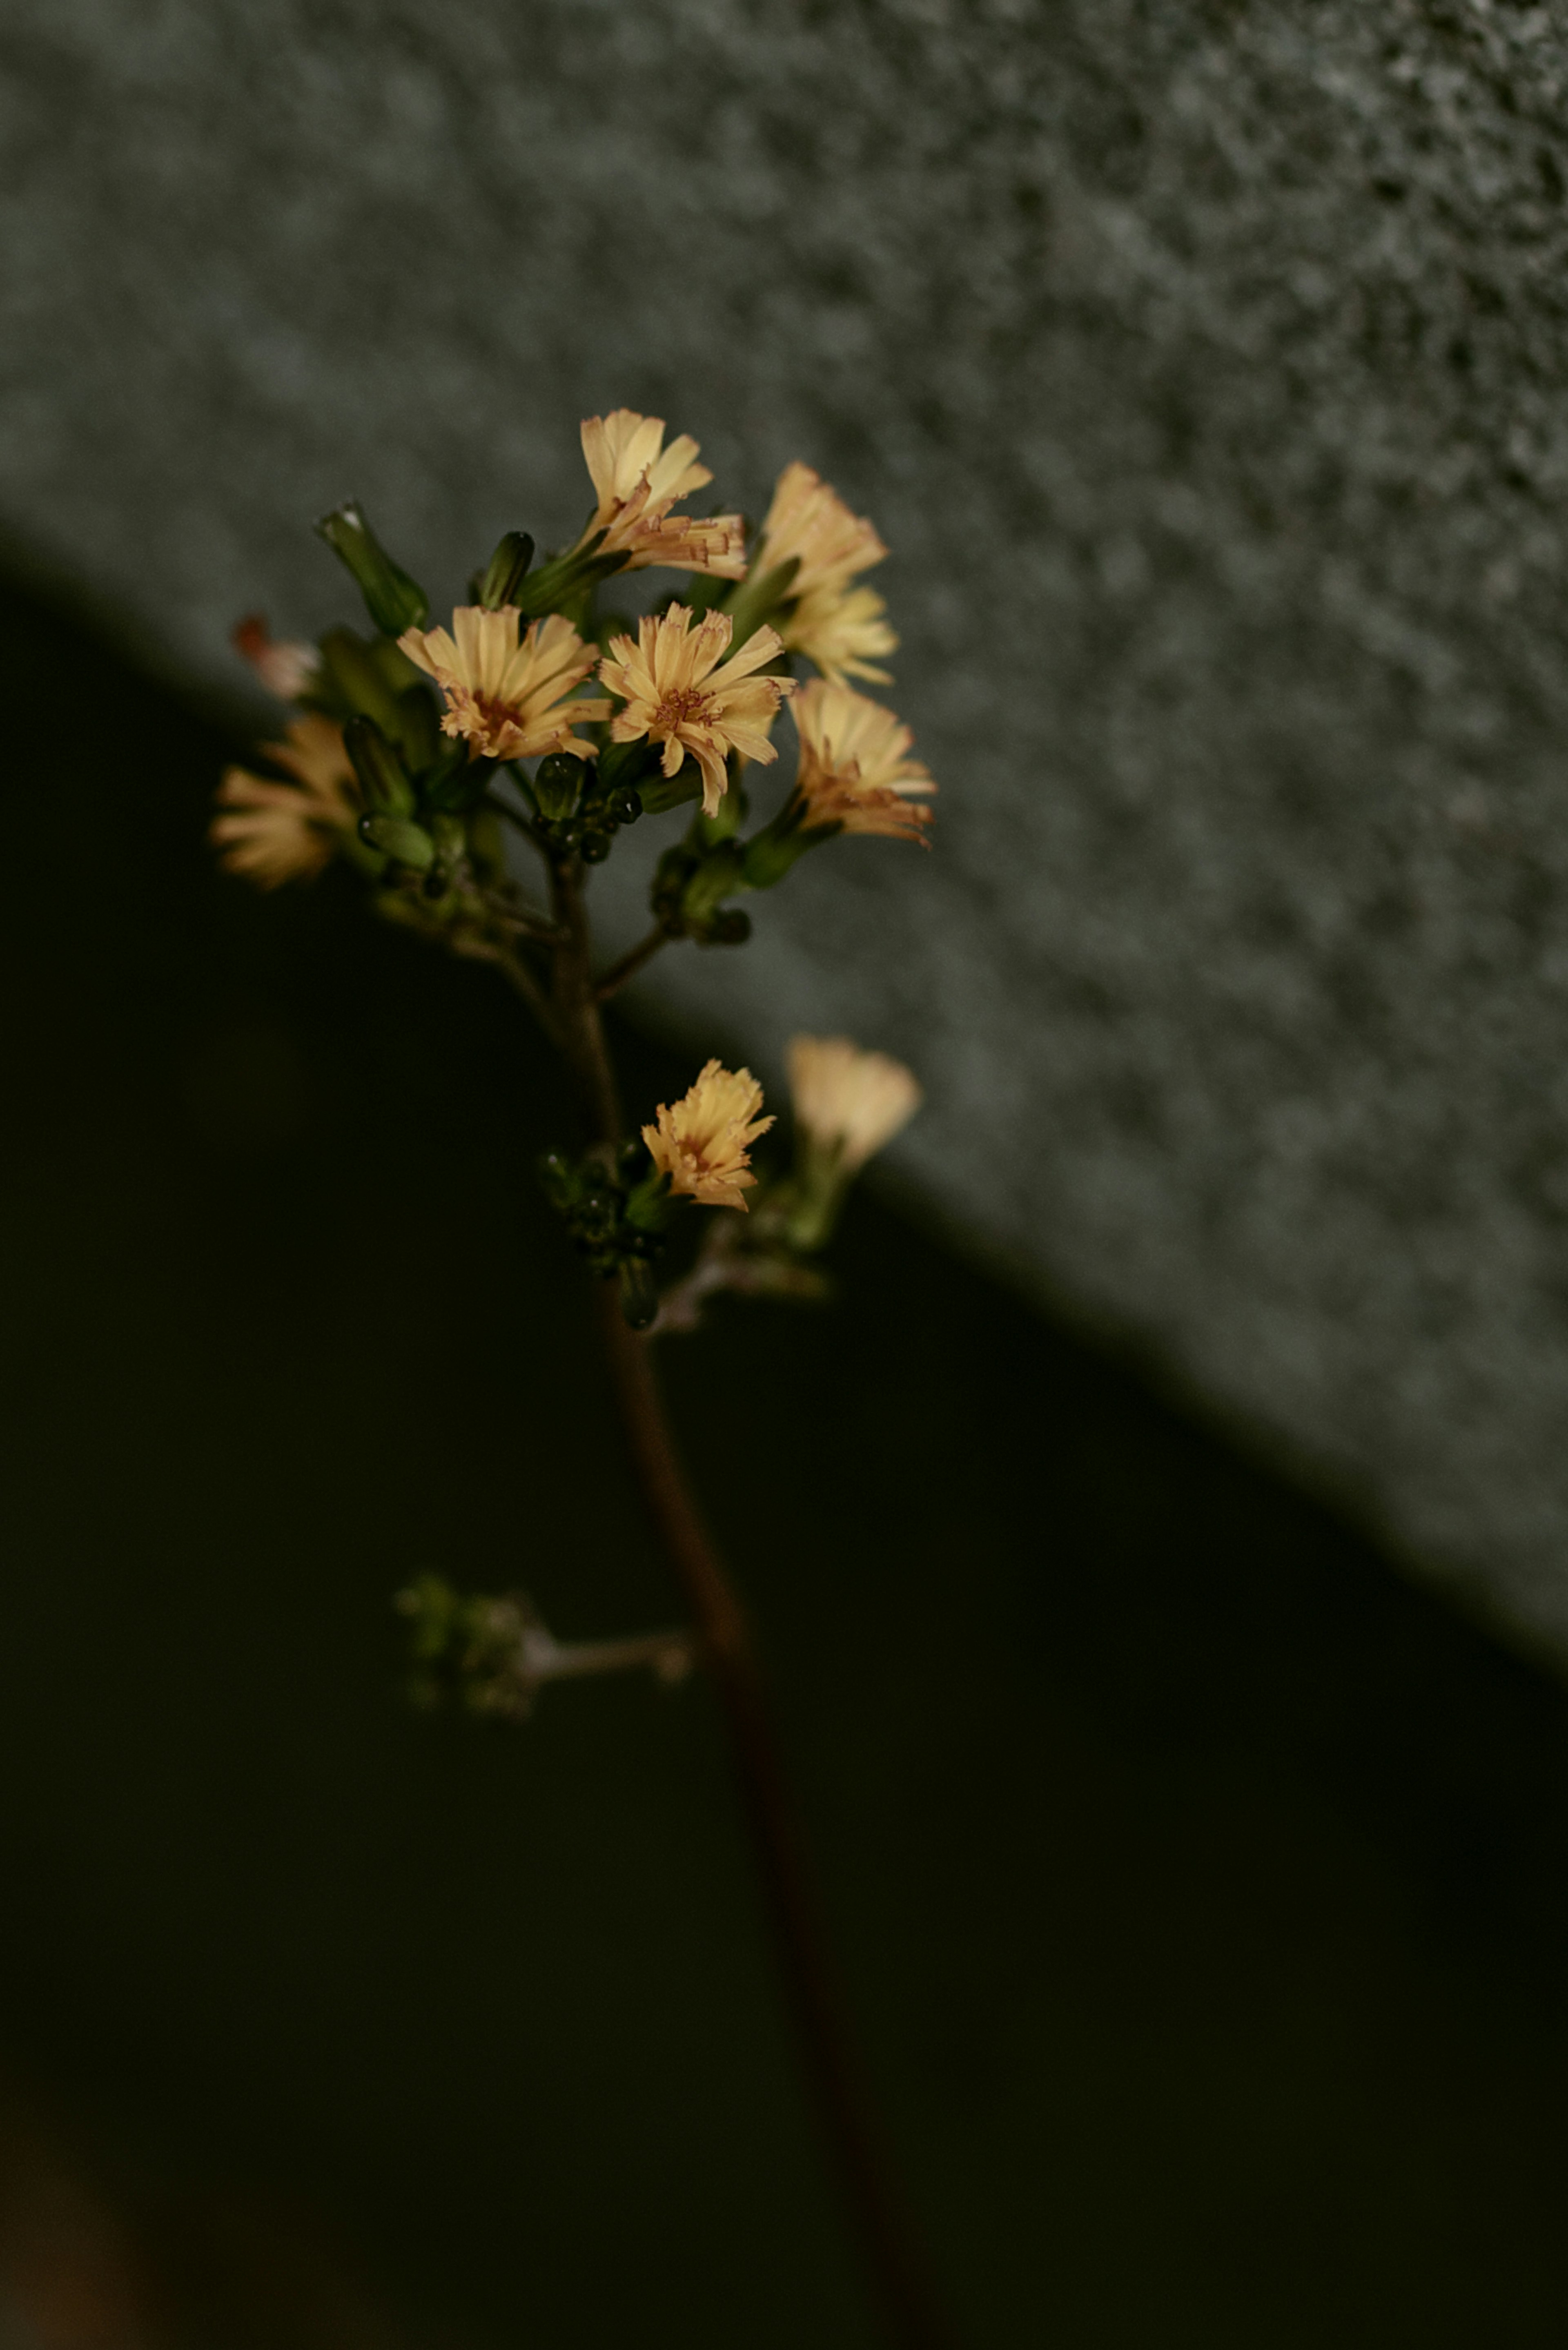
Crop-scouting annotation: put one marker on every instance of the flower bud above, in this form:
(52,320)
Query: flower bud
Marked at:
(394,602)
(379,768)
(556,783)
(505,572)
(394,836)
(596,847)
(638,1299)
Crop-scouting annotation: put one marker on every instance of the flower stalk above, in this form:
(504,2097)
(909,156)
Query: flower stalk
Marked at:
(413,749)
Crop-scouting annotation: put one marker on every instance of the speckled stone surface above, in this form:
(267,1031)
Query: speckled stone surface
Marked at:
(1206,368)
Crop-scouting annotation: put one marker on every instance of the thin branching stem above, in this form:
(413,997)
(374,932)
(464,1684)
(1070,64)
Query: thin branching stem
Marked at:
(631,963)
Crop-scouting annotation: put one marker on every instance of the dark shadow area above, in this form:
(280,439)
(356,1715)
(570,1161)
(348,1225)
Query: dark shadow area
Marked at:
(1201,1884)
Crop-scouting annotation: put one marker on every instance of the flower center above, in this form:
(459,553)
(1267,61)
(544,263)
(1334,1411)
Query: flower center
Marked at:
(679,705)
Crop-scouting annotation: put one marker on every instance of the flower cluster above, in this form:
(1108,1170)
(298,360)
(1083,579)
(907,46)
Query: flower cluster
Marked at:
(415,750)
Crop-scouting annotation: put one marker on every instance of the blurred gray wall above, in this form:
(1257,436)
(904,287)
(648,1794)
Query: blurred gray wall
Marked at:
(1206,367)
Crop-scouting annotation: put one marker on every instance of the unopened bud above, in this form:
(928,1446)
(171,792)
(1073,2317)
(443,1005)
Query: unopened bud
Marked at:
(638,1299)
(396,837)
(507,570)
(379,768)
(394,602)
(556,783)
(626,805)
(596,847)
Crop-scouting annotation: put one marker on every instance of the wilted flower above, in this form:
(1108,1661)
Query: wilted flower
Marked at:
(285,669)
(848,1104)
(854,768)
(675,693)
(286,832)
(639,480)
(703,1141)
(506,696)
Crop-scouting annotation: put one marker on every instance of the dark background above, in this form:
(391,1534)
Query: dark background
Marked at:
(1199,1882)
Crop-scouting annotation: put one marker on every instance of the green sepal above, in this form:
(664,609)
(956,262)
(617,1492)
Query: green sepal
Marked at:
(394,602)
(754,600)
(662,792)
(777,848)
(622,764)
(364,679)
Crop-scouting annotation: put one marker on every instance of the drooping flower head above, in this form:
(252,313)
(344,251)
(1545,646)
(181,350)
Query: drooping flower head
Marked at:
(509,697)
(855,771)
(847,1102)
(285,669)
(702,1142)
(838,627)
(276,832)
(677,692)
(637,481)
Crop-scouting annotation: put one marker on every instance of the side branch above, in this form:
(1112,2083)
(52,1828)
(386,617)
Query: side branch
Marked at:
(631,963)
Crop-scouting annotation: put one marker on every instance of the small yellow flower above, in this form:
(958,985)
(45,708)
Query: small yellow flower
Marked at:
(637,481)
(284,832)
(848,1103)
(854,768)
(703,1141)
(676,694)
(504,695)
(838,627)
(840,632)
(286,669)
(809,522)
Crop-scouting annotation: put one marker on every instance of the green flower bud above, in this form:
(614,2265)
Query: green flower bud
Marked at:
(380,771)
(396,837)
(596,847)
(625,806)
(638,1299)
(394,602)
(557,781)
(507,571)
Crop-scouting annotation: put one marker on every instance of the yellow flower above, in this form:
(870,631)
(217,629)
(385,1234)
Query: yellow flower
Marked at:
(848,1103)
(506,696)
(703,1141)
(809,522)
(283,832)
(839,631)
(838,627)
(675,693)
(854,769)
(637,481)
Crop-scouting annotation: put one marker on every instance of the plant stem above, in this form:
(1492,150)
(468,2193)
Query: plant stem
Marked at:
(906,2307)
(727,1650)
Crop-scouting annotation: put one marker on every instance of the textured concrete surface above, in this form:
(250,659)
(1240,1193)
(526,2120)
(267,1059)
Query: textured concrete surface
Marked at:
(1205,368)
